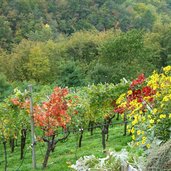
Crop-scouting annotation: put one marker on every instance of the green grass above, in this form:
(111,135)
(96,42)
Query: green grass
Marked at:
(66,153)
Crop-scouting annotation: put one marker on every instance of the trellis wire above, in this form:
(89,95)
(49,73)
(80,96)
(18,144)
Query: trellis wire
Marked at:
(74,130)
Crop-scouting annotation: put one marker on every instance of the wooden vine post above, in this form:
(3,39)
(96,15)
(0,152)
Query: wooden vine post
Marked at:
(125,117)
(32,129)
(125,124)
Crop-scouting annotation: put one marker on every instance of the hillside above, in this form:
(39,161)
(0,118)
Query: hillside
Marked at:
(80,42)
(26,18)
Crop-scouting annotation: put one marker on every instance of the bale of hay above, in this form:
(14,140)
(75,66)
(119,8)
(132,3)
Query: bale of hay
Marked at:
(160,158)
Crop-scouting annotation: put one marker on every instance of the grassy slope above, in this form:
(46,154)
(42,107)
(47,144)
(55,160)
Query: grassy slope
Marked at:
(66,153)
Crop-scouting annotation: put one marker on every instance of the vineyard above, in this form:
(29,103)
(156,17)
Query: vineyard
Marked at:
(51,127)
(85,85)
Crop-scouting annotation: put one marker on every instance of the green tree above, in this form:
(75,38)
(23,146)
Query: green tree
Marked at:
(165,43)
(163,38)
(43,34)
(127,55)
(18,61)
(4,86)
(71,75)
(146,21)
(83,46)
(99,73)
(5,33)
(38,64)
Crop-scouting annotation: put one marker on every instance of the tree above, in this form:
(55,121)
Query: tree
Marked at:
(127,55)
(166,49)
(162,41)
(71,74)
(4,87)
(50,117)
(4,62)
(43,34)
(17,69)
(83,46)
(99,73)
(5,33)
(38,64)
(146,21)
(29,61)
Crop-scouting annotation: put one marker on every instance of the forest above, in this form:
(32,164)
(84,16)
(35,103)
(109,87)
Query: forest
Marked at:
(82,42)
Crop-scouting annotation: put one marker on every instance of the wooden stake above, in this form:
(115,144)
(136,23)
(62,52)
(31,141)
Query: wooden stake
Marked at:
(32,129)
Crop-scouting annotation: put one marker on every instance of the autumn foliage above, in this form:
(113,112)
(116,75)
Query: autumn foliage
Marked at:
(52,114)
(138,91)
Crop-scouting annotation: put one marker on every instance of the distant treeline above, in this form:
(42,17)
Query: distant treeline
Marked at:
(25,19)
(80,42)
(88,57)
